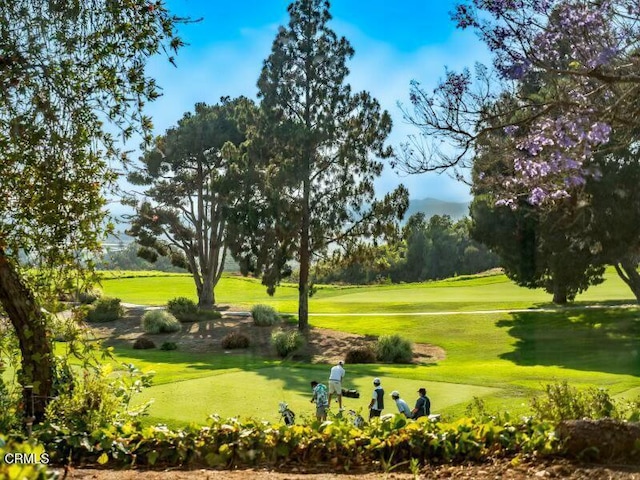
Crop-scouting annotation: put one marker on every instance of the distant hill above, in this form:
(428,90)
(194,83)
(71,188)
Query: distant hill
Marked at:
(433,206)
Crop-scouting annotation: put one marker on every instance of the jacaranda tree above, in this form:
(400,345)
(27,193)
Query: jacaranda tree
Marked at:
(571,72)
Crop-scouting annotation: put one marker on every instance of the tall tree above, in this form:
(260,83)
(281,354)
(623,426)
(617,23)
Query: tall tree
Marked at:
(66,70)
(315,149)
(192,186)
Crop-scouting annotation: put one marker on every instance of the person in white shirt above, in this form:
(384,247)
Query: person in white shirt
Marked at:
(403,407)
(335,382)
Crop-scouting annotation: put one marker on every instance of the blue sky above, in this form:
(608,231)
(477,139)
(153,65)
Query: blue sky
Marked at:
(395,41)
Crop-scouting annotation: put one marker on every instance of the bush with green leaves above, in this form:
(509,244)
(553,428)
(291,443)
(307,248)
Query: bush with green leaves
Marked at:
(169,346)
(560,402)
(264,315)
(286,343)
(360,355)
(187,311)
(182,307)
(87,297)
(97,397)
(143,343)
(105,310)
(24,470)
(159,321)
(235,340)
(394,349)
(233,443)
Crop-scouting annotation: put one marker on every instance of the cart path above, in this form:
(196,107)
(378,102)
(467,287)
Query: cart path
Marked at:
(243,313)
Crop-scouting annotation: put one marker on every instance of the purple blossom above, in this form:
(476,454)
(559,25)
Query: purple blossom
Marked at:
(537,196)
(599,133)
(510,130)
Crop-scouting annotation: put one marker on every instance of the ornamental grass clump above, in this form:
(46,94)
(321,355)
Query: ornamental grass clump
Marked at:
(286,343)
(264,316)
(160,321)
(394,349)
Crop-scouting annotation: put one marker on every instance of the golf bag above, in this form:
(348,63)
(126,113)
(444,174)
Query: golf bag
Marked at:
(352,393)
(358,421)
(287,415)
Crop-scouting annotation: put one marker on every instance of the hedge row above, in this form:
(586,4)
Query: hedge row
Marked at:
(337,444)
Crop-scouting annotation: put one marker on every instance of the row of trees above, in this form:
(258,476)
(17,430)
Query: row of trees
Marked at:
(284,179)
(550,131)
(428,250)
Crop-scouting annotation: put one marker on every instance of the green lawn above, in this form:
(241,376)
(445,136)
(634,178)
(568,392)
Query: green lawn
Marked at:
(502,357)
(463,294)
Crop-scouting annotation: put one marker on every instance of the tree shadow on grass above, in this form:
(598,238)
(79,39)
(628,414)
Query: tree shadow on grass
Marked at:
(603,340)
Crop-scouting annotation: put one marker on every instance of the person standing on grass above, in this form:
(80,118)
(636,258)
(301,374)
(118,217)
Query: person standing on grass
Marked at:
(403,407)
(321,400)
(376,405)
(423,405)
(335,382)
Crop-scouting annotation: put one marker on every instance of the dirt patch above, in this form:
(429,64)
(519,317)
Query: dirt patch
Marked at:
(499,469)
(324,346)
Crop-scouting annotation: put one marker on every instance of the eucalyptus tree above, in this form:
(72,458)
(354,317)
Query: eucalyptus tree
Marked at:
(67,69)
(317,152)
(192,186)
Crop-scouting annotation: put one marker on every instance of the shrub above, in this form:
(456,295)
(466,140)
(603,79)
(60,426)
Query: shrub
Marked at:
(286,343)
(96,398)
(65,329)
(182,307)
(105,310)
(159,321)
(235,340)
(394,349)
(143,343)
(88,296)
(186,310)
(169,346)
(561,401)
(264,315)
(360,355)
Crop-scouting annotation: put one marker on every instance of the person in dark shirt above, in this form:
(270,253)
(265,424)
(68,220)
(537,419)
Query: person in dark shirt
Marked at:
(377,400)
(423,405)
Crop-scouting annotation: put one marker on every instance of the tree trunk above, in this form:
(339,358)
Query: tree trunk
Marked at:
(627,269)
(305,263)
(30,325)
(206,296)
(559,294)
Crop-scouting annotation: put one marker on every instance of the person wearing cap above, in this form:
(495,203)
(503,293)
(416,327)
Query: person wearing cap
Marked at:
(423,405)
(335,382)
(320,399)
(376,405)
(403,407)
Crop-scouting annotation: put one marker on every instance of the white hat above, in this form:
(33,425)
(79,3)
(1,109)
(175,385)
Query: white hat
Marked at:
(395,394)
(376,381)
